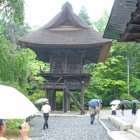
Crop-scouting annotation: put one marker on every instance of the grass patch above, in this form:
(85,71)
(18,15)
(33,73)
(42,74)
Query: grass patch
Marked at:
(13,134)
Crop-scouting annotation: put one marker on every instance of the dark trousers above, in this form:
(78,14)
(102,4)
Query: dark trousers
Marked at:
(46,116)
(92,117)
(113,112)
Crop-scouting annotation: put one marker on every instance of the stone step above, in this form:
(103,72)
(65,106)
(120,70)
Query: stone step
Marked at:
(121,135)
(124,125)
(135,133)
(136,127)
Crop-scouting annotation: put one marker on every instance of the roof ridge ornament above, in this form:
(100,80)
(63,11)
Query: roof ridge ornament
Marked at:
(67,5)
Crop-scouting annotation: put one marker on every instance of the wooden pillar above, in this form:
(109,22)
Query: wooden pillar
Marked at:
(68,103)
(52,99)
(46,94)
(65,102)
(53,96)
(82,94)
(49,96)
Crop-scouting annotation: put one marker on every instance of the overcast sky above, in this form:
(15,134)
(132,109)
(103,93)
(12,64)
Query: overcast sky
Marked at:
(39,12)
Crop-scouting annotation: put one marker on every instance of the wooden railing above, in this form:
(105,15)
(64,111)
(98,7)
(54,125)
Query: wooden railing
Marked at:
(71,85)
(69,71)
(52,85)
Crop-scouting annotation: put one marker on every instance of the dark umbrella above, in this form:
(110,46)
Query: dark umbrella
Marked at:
(125,102)
(135,101)
(93,102)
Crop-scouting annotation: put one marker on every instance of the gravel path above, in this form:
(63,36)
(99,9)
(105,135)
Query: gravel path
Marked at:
(69,128)
(111,125)
(76,127)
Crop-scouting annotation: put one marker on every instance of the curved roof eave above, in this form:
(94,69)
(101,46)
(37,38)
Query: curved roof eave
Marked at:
(119,17)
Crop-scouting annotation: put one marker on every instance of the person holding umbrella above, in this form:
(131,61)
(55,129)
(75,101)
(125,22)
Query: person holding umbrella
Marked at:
(92,109)
(113,107)
(98,111)
(24,131)
(98,108)
(46,110)
(122,109)
(134,109)
(92,112)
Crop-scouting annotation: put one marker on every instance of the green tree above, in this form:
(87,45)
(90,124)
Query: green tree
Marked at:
(12,9)
(100,24)
(13,62)
(84,16)
(12,30)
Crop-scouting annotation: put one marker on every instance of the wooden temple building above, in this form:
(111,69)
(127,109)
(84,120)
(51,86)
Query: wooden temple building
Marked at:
(67,43)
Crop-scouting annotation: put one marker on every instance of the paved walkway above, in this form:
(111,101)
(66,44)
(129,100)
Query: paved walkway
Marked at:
(127,113)
(103,113)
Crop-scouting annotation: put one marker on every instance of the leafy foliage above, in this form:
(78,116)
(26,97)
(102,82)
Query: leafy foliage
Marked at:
(13,9)
(12,31)
(84,16)
(127,97)
(13,63)
(12,124)
(100,24)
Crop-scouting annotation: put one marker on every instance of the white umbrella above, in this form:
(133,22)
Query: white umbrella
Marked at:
(115,102)
(41,100)
(15,105)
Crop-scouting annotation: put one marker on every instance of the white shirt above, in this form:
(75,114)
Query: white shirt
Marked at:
(46,108)
(113,107)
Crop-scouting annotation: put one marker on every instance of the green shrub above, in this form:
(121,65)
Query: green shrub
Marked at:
(127,97)
(74,108)
(12,124)
(30,118)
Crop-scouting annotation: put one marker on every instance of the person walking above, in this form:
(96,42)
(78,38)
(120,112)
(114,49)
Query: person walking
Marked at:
(113,107)
(46,110)
(24,131)
(98,111)
(134,109)
(92,112)
(122,109)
